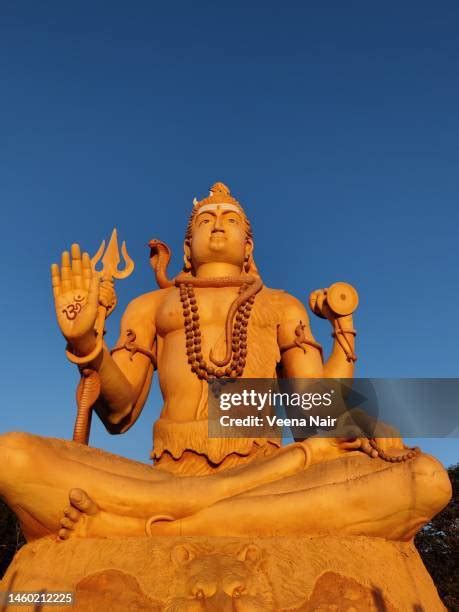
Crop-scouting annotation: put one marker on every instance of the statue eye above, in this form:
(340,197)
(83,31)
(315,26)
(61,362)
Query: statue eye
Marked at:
(200,594)
(237,592)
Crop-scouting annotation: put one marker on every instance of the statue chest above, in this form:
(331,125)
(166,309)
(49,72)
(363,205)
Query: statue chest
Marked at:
(261,351)
(212,309)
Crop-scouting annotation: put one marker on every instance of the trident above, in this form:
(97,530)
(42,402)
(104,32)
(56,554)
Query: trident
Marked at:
(88,389)
(111,259)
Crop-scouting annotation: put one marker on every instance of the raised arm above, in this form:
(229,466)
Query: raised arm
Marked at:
(125,382)
(301,355)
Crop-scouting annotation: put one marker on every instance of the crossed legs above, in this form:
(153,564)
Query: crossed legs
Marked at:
(56,486)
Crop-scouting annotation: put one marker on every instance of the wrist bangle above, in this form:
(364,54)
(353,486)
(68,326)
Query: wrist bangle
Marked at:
(344,331)
(85,359)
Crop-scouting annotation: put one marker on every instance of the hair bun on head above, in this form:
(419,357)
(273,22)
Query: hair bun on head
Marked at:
(219,194)
(219,188)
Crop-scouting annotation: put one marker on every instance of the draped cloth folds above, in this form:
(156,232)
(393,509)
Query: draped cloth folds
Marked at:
(176,442)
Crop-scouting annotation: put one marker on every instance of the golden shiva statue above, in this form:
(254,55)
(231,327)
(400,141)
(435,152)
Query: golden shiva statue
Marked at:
(215,319)
(196,480)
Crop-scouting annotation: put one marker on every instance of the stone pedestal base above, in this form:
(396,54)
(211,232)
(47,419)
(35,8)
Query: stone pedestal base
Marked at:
(172,574)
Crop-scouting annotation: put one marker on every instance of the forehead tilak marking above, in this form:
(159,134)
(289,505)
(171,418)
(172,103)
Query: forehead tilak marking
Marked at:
(207,207)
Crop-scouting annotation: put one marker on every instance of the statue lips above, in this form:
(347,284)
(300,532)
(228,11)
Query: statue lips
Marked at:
(217,240)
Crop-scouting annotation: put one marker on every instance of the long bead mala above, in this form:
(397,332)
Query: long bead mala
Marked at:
(193,336)
(409,454)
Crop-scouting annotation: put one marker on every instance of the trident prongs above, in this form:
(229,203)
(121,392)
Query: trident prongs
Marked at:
(111,259)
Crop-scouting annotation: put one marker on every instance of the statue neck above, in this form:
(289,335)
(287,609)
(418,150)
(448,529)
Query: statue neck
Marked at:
(218,269)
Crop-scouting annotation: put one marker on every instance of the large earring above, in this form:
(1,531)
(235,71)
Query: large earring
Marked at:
(186,260)
(247,263)
(187,264)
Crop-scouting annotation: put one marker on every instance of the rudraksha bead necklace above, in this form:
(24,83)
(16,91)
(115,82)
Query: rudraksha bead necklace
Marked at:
(193,336)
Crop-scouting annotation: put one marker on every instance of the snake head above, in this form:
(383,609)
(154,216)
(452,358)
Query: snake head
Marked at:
(158,247)
(160,253)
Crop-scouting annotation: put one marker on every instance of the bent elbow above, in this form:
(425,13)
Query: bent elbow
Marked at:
(119,423)
(115,422)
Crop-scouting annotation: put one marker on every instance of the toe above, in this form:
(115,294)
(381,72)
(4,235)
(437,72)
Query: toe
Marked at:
(81,501)
(64,534)
(72,513)
(67,523)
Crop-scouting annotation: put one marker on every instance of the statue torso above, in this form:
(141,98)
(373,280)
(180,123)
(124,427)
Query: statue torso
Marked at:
(185,395)
(180,386)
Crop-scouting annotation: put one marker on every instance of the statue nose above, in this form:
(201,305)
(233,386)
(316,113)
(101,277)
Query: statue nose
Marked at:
(220,602)
(218,226)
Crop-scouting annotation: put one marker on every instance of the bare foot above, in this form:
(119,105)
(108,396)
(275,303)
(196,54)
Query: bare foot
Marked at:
(74,523)
(83,518)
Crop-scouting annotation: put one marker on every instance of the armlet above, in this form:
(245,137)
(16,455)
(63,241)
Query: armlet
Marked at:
(134,348)
(300,341)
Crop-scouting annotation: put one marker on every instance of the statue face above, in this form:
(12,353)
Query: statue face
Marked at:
(219,235)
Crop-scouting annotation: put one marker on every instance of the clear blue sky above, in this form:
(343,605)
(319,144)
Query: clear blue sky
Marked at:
(336,124)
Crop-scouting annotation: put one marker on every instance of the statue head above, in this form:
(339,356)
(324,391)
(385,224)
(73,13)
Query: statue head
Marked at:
(219,231)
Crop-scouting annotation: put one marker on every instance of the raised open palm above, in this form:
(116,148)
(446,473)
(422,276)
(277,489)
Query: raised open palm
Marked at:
(76,294)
